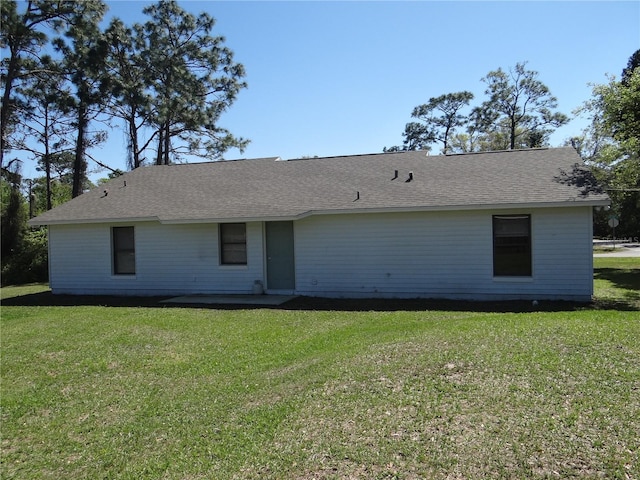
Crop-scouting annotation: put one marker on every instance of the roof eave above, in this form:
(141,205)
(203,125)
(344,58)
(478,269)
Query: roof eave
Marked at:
(182,221)
(300,215)
(451,208)
(423,208)
(35,222)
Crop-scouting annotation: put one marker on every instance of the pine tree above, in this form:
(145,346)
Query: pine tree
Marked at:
(84,50)
(193,79)
(524,106)
(23,37)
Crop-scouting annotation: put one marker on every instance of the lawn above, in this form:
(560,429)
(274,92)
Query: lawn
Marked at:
(617,282)
(174,393)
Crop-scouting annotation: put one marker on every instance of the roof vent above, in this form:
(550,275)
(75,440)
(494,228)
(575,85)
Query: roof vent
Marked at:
(395,174)
(410,177)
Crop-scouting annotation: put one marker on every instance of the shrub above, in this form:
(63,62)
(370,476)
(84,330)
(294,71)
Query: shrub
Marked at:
(29,263)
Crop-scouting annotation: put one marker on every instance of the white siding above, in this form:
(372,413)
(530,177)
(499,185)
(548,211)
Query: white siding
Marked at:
(440,254)
(170,260)
(405,255)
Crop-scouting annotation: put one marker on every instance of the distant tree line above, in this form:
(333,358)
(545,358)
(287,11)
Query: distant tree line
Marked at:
(519,112)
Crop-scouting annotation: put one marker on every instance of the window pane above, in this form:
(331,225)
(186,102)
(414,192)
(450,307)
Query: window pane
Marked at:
(234,253)
(233,243)
(511,245)
(123,237)
(125,263)
(124,253)
(511,226)
(233,232)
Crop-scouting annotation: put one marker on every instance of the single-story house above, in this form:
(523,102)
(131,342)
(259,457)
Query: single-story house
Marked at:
(494,225)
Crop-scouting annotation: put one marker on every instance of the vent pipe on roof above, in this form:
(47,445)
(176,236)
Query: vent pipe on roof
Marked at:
(410,177)
(357,196)
(395,174)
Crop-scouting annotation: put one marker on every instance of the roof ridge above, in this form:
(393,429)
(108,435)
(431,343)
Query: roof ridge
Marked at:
(358,155)
(501,151)
(426,153)
(211,162)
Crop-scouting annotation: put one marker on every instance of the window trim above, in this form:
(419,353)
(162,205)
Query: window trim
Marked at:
(529,253)
(221,241)
(115,250)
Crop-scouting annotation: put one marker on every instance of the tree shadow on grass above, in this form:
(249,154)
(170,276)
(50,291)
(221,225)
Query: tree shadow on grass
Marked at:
(627,282)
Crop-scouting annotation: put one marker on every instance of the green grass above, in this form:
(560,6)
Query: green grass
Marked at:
(19,290)
(607,249)
(146,393)
(617,282)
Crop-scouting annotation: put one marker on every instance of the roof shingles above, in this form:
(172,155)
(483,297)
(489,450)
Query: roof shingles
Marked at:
(272,189)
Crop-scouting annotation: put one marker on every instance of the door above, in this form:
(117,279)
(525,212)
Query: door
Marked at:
(280,262)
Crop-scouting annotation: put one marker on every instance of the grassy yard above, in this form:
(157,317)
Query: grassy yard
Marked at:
(617,282)
(148,393)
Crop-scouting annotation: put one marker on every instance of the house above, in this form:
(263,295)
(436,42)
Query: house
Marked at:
(495,225)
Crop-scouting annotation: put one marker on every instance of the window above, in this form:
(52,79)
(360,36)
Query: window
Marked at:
(512,245)
(124,251)
(233,244)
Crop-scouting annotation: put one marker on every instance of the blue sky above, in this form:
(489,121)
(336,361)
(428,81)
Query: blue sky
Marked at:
(342,77)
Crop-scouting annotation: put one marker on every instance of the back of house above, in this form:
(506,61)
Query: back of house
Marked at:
(486,226)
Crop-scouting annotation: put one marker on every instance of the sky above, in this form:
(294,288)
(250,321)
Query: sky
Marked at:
(342,77)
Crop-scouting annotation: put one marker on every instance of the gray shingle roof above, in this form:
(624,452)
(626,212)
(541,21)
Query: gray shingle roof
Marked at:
(268,188)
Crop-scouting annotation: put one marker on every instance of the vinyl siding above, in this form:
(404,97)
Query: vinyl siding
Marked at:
(440,255)
(403,255)
(170,260)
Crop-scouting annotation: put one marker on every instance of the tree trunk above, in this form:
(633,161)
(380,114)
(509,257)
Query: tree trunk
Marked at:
(167,143)
(133,139)
(445,146)
(79,166)
(160,145)
(12,72)
(48,176)
(47,158)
